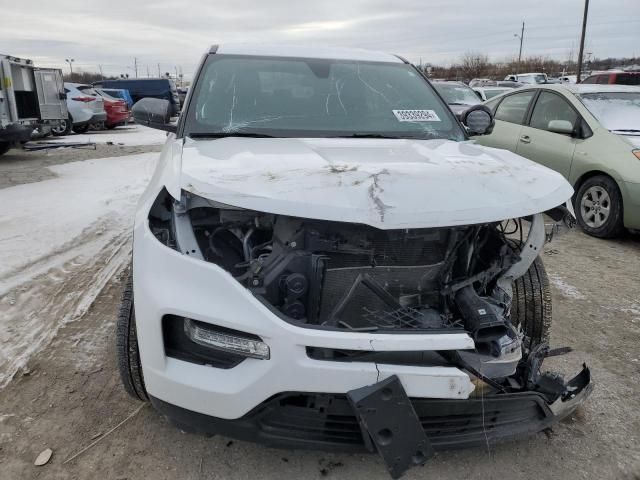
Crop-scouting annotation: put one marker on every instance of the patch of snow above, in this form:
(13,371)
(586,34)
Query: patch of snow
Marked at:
(130,135)
(633,309)
(565,289)
(56,235)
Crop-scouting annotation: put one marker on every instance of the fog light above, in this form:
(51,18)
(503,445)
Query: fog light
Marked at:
(225,342)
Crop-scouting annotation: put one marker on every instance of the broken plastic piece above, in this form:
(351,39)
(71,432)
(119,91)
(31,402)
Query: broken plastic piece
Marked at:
(389,421)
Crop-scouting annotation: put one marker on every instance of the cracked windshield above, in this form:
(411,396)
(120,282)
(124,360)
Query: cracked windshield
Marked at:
(316,98)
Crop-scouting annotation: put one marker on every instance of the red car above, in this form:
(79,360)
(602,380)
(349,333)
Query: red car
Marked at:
(614,78)
(117,111)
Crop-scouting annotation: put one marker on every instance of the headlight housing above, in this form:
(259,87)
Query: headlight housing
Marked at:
(218,339)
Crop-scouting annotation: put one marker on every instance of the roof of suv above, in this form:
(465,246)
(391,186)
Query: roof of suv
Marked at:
(304,51)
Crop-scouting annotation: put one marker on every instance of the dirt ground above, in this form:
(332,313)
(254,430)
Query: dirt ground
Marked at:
(69,396)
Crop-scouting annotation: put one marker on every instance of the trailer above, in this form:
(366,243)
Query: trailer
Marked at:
(32,101)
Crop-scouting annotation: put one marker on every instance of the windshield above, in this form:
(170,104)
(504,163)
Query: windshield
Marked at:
(616,111)
(456,94)
(294,97)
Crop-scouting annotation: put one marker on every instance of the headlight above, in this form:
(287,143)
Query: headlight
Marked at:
(219,340)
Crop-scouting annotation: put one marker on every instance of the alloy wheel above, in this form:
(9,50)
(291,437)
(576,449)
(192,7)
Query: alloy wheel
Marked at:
(595,206)
(61,128)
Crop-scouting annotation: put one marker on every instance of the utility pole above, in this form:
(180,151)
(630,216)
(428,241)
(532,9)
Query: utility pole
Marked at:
(135,65)
(584,32)
(521,36)
(70,62)
(148,74)
(101,74)
(159,74)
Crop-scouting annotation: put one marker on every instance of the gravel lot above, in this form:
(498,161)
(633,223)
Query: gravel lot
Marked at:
(68,395)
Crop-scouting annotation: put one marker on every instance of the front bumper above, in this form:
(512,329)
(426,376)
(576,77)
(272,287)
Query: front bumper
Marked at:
(169,283)
(631,201)
(328,421)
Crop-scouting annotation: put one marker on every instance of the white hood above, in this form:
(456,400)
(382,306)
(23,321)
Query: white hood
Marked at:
(383,183)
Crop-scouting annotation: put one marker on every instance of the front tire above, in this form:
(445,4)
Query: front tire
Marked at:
(4,147)
(531,306)
(127,351)
(598,207)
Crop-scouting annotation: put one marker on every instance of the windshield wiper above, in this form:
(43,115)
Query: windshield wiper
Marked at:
(366,135)
(626,130)
(228,134)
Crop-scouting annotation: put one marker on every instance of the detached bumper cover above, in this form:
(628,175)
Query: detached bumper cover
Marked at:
(329,422)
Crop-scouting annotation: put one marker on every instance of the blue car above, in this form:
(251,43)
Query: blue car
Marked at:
(118,93)
(139,88)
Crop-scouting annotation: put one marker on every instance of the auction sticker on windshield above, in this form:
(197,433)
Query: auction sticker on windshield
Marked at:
(416,115)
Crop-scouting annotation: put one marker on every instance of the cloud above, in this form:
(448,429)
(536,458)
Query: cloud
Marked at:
(172,33)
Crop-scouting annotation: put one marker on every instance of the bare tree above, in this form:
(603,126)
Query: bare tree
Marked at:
(85,77)
(475,65)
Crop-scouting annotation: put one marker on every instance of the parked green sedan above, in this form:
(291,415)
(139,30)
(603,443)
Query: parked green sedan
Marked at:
(588,133)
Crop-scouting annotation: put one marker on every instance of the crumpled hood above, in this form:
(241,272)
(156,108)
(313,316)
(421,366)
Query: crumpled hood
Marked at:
(383,183)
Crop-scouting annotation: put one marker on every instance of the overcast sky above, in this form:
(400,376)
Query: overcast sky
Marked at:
(173,33)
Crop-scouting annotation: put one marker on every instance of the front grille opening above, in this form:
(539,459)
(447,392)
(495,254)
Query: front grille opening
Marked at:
(414,358)
(178,345)
(329,419)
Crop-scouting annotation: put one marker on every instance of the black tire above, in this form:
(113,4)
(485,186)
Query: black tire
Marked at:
(65,129)
(127,351)
(531,307)
(81,128)
(613,225)
(4,147)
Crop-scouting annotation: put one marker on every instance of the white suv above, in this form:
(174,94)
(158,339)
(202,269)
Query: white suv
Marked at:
(85,108)
(323,259)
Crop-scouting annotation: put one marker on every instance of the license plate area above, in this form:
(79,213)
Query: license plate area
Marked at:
(390,425)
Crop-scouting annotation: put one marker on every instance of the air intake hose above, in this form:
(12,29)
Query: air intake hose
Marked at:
(479,316)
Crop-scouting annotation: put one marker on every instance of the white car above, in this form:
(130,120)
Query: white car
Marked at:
(85,108)
(530,78)
(321,260)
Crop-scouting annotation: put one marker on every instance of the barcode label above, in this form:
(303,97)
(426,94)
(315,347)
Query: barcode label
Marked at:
(416,115)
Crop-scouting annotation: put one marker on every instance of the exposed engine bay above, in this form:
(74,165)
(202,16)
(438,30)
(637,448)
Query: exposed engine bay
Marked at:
(334,275)
(355,278)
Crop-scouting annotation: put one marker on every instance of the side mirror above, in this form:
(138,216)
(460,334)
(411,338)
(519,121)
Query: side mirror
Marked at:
(154,113)
(560,126)
(478,120)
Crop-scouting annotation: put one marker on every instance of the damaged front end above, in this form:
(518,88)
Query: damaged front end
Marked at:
(348,277)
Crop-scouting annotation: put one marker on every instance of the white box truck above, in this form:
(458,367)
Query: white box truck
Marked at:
(32,101)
